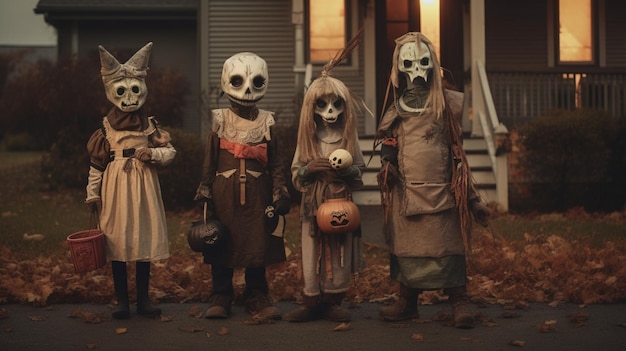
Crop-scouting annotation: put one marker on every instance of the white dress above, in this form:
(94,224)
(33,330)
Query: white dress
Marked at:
(133,216)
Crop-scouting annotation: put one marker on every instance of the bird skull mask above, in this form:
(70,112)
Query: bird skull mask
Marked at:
(416,62)
(125,84)
(245,78)
(329,108)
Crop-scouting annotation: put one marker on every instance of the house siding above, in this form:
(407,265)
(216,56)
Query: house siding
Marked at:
(615,33)
(265,28)
(262,27)
(515,35)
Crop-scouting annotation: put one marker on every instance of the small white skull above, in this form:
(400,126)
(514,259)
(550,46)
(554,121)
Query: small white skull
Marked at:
(128,94)
(245,78)
(329,108)
(415,61)
(340,159)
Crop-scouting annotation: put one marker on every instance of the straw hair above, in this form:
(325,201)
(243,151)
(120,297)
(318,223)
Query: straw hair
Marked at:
(436,99)
(326,85)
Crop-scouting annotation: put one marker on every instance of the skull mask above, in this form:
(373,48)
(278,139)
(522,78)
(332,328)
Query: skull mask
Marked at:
(125,84)
(416,62)
(245,78)
(329,108)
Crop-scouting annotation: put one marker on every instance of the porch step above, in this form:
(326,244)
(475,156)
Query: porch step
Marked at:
(477,157)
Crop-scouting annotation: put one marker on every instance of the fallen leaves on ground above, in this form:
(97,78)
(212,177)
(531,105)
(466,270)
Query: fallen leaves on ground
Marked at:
(540,268)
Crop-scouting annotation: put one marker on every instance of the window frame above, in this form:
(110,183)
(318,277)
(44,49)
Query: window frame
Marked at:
(595,37)
(348,30)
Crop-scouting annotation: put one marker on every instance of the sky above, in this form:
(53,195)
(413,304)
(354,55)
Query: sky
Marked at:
(19,25)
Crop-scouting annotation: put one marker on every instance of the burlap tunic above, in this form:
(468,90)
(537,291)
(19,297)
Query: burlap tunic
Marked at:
(423,229)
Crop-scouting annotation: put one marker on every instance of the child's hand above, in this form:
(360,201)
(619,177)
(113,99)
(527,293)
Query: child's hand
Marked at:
(144,155)
(318,165)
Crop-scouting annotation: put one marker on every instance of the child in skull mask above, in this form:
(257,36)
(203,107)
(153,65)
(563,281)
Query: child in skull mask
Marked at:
(427,192)
(242,175)
(123,182)
(327,123)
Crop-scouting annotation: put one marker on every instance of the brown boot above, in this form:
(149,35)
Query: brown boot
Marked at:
(463,319)
(259,305)
(332,310)
(403,309)
(219,307)
(310,311)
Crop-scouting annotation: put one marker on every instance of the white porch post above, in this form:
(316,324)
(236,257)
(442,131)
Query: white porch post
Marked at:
(477,53)
(297,19)
(369,69)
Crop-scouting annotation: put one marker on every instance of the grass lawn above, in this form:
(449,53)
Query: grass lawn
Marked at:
(571,257)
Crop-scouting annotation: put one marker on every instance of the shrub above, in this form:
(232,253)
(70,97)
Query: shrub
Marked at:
(60,105)
(567,157)
(180,179)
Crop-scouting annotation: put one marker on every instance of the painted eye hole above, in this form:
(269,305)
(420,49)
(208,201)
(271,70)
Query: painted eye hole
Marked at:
(236,81)
(424,61)
(338,103)
(120,91)
(407,63)
(135,89)
(320,103)
(258,82)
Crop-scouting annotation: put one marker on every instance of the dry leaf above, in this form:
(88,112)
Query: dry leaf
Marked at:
(342,327)
(166,318)
(33,237)
(37,318)
(518,343)
(120,330)
(223,331)
(547,326)
(578,319)
(91,346)
(417,337)
(195,311)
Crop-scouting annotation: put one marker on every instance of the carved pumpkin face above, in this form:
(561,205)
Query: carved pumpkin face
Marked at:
(338,215)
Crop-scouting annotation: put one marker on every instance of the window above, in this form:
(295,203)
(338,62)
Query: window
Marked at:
(575,31)
(429,22)
(327,29)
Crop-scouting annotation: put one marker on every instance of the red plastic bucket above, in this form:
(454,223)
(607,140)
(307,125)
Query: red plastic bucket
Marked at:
(87,248)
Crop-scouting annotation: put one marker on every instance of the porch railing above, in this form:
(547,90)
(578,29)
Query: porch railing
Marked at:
(520,96)
(495,134)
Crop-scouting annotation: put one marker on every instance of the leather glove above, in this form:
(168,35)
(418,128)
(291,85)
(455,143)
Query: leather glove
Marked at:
(144,154)
(282,206)
(480,212)
(94,206)
(318,165)
(387,175)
